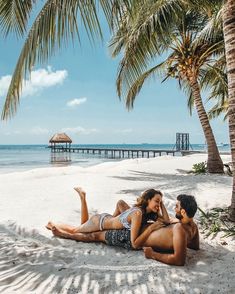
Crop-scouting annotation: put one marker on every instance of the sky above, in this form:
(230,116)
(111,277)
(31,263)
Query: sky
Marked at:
(75,93)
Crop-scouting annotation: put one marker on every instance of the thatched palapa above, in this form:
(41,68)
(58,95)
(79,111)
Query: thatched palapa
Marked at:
(60,139)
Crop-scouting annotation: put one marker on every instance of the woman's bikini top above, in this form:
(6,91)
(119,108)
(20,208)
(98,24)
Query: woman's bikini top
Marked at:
(124,215)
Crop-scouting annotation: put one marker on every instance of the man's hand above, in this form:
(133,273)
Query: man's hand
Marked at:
(148,252)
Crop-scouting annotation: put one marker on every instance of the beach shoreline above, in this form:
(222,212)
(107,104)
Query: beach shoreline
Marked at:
(32,261)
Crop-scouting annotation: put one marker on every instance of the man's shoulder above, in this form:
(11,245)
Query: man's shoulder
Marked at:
(178,228)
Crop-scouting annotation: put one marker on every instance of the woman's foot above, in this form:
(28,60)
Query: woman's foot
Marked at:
(50,225)
(81,192)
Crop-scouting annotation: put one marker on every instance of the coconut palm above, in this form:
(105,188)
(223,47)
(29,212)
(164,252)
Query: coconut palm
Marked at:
(54,26)
(187,62)
(57,23)
(216,80)
(229,39)
(226,16)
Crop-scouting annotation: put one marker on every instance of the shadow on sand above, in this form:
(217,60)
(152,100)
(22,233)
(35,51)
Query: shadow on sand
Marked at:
(33,263)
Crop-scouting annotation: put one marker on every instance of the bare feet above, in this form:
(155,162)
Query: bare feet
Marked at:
(50,225)
(56,231)
(60,233)
(81,192)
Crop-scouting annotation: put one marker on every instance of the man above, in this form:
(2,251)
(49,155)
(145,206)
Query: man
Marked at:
(174,238)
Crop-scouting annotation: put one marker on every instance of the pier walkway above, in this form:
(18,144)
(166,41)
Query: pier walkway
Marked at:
(114,152)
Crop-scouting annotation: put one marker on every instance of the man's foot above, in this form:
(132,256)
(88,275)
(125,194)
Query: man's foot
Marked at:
(81,192)
(57,232)
(50,225)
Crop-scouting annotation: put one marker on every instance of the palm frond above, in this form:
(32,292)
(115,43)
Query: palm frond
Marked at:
(158,70)
(14,15)
(142,36)
(54,26)
(219,109)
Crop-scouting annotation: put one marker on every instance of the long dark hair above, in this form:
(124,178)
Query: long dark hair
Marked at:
(142,203)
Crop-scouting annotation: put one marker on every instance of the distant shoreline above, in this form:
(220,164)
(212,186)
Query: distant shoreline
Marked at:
(26,157)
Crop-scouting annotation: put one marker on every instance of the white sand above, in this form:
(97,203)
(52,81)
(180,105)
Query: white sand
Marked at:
(32,261)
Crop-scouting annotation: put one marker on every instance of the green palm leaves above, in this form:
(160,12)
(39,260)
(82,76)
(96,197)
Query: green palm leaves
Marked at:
(14,16)
(54,26)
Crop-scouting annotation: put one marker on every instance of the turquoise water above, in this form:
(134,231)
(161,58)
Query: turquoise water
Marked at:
(25,157)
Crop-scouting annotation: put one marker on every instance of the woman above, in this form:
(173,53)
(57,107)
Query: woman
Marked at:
(148,207)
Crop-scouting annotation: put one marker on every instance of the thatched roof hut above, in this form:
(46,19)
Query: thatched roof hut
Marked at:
(60,138)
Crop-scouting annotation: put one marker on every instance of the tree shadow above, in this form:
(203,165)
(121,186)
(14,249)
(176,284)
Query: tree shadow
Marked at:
(171,184)
(36,264)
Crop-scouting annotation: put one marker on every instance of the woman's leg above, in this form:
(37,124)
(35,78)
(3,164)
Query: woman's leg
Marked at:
(92,225)
(84,214)
(83,237)
(84,209)
(120,207)
(64,227)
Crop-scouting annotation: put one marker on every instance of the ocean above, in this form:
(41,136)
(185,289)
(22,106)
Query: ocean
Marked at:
(14,158)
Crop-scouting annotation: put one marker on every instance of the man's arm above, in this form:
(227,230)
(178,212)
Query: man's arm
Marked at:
(194,243)
(179,246)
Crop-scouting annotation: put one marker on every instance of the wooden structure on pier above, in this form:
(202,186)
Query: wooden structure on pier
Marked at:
(114,152)
(182,142)
(60,141)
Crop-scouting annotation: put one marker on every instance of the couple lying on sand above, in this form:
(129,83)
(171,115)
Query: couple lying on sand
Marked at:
(145,225)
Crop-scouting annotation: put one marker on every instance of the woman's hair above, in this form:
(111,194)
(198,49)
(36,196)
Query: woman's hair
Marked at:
(142,201)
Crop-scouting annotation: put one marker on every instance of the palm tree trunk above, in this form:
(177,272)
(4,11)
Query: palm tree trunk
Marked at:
(229,39)
(214,161)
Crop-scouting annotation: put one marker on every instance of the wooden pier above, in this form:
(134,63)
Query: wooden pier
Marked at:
(114,152)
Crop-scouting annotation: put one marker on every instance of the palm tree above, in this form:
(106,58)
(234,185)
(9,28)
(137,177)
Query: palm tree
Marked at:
(226,15)
(188,62)
(57,23)
(216,80)
(53,27)
(229,40)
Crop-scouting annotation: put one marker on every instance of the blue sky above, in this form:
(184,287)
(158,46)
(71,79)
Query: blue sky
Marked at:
(75,93)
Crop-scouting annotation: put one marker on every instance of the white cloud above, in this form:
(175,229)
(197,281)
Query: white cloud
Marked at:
(40,79)
(32,131)
(79,131)
(38,131)
(10,133)
(76,101)
(4,84)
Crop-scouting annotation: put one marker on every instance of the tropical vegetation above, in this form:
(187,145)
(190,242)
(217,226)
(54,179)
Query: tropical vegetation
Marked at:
(57,23)
(189,60)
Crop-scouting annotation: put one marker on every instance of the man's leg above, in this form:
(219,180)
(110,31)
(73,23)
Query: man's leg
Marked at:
(120,207)
(83,237)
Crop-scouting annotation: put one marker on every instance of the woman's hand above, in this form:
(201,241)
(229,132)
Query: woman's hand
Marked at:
(157,225)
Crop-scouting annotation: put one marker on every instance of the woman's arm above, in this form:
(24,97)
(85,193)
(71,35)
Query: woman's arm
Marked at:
(137,240)
(164,217)
(120,207)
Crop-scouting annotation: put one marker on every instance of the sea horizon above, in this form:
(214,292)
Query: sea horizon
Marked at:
(23,157)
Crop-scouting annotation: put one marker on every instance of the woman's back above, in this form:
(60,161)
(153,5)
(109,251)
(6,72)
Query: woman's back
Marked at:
(124,217)
(121,221)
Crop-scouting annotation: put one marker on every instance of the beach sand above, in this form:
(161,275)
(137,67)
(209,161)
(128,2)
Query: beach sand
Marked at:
(32,261)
